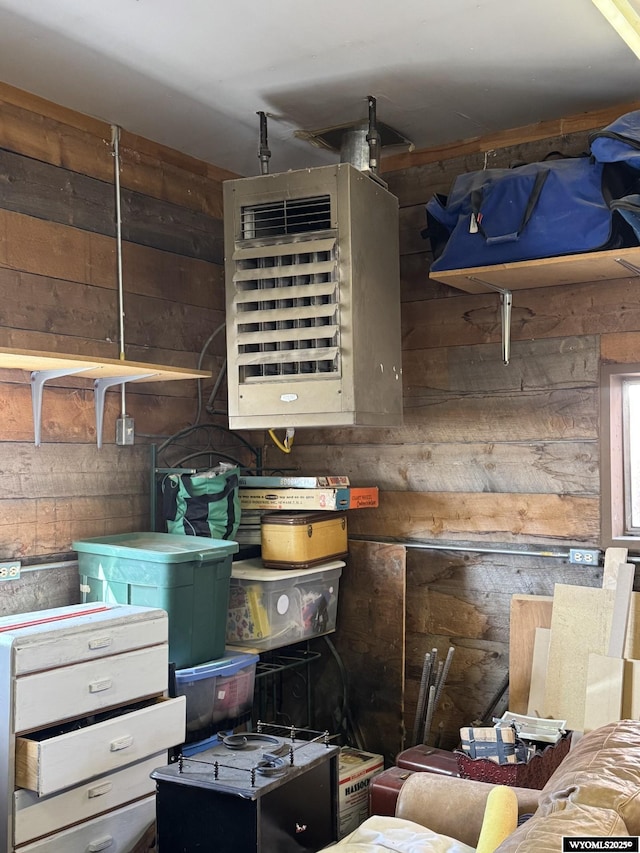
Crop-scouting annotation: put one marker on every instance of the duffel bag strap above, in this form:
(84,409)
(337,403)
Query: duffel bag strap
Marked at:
(534,195)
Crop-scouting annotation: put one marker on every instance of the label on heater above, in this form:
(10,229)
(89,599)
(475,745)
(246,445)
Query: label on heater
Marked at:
(288,398)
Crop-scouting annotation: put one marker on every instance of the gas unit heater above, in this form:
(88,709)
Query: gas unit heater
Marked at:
(312,300)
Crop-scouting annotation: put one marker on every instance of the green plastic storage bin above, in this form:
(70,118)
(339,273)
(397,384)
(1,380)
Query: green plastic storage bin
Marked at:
(188,576)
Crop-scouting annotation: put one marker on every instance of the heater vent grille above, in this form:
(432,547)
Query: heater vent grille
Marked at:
(312,300)
(285,216)
(286,309)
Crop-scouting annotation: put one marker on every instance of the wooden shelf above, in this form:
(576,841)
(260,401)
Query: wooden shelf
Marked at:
(105,372)
(544,272)
(94,368)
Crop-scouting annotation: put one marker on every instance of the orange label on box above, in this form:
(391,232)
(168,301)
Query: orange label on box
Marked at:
(361,498)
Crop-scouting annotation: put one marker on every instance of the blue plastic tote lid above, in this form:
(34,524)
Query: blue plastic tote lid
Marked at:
(228,665)
(158,547)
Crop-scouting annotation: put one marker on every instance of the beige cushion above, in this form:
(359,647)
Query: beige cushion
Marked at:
(384,834)
(602,770)
(543,833)
(452,806)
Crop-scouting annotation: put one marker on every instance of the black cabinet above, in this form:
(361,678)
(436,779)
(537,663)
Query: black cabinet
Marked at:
(290,812)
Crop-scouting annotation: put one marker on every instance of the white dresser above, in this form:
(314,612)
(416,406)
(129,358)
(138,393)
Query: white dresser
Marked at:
(84,719)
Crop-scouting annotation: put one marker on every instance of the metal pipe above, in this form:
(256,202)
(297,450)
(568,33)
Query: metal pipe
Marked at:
(264,153)
(437,546)
(373,137)
(479,550)
(115,141)
(476,549)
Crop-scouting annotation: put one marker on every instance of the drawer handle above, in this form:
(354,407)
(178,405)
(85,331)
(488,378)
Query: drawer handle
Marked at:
(120,743)
(100,643)
(99,686)
(100,790)
(100,844)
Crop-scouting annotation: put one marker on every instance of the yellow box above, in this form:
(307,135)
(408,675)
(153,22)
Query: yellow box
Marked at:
(300,540)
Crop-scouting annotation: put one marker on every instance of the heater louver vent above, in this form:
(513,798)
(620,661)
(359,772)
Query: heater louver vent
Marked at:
(286,309)
(286,216)
(312,300)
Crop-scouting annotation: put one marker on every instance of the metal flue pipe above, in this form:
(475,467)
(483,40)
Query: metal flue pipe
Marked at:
(373,137)
(264,152)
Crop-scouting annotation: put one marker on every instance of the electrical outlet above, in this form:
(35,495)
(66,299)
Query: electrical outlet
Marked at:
(9,571)
(584,556)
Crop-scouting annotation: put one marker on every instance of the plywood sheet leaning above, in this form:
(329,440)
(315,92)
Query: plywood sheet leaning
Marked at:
(605,673)
(631,690)
(632,642)
(580,625)
(614,559)
(527,613)
(539,671)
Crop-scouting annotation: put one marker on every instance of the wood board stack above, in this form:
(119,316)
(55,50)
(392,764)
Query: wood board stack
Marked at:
(576,655)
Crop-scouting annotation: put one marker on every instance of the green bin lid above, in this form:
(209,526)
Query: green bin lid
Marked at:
(158,547)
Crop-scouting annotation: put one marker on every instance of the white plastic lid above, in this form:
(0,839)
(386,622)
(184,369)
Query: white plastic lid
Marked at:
(254,570)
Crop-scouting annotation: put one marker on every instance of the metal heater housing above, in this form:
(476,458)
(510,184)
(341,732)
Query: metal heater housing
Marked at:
(312,300)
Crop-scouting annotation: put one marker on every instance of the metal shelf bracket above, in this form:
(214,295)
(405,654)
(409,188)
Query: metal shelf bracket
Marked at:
(100,387)
(628,265)
(506,302)
(38,379)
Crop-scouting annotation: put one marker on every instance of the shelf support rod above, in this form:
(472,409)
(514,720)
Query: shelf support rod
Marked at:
(38,379)
(100,387)
(506,303)
(506,300)
(628,266)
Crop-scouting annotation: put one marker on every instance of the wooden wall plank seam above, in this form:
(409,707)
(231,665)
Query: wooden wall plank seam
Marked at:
(56,194)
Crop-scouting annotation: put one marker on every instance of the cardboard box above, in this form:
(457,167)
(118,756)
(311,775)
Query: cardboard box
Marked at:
(328,499)
(331,499)
(294,482)
(356,770)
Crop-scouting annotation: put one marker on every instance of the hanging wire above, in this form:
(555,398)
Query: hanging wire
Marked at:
(203,351)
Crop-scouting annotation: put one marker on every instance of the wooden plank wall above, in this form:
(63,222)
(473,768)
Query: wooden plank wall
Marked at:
(58,293)
(491,456)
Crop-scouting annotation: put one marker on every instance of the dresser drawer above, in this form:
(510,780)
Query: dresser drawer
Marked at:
(56,761)
(36,817)
(74,691)
(114,832)
(64,638)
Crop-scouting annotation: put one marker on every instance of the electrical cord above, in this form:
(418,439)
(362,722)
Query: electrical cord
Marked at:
(203,351)
(286,445)
(347,721)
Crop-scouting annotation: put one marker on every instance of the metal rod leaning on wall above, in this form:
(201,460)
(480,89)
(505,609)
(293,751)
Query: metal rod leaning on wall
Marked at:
(445,672)
(431,694)
(429,715)
(422,700)
(435,692)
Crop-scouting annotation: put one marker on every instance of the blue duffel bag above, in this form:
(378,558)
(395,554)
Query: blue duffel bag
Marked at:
(618,142)
(539,210)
